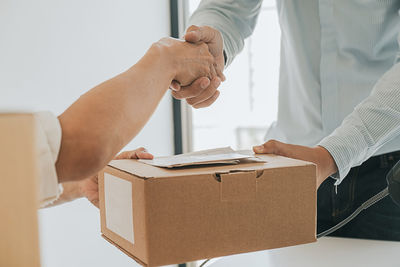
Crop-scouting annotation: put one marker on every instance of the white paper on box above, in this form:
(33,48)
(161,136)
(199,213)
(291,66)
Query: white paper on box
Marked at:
(225,155)
(118,206)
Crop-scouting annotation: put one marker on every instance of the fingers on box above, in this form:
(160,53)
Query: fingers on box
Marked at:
(140,153)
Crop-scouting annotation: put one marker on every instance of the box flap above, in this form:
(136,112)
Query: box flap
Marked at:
(147,171)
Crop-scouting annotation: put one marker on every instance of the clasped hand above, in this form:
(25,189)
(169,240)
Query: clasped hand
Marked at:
(199,64)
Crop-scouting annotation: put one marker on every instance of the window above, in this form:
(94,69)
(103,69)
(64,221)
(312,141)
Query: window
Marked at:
(248,101)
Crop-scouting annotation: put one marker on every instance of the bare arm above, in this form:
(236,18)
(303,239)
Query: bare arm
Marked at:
(102,121)
(89,187)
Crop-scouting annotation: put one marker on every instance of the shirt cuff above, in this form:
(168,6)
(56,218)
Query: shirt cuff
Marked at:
(48,140)
(346,146)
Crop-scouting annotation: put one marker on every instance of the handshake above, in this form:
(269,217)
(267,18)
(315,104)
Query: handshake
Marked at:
(196,64)
(192,68)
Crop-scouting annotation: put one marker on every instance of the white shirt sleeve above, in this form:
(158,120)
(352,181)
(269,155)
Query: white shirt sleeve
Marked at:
(48,140)
(235,20)
(372,124)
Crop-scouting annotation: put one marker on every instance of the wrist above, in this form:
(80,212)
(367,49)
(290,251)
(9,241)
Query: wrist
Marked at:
(158,58)
(326,165)
(152,68)
(80,192)
(72,190)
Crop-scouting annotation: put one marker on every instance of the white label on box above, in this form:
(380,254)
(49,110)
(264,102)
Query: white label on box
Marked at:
(118,204)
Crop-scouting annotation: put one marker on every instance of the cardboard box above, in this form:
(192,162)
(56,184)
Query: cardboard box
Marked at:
(166,216)
(19,242)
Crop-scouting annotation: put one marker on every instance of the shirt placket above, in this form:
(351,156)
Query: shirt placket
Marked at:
(328,74)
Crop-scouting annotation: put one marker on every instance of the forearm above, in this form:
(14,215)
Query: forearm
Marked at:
(373,122)
(235,21)
(101,122)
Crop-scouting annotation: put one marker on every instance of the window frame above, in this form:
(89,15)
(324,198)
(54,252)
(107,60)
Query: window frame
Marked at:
(182,115)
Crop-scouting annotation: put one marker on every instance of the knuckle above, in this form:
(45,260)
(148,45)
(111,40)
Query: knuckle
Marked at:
(203,46)
(164,40)
(272,143)
(179,97)
(190,101)
(176,95)
(192,28)
(204,70)
(198,82)
(208,69)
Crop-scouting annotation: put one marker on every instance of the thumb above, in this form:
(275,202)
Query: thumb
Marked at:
(192,37)
(200,34)
(271,147)
(135,154)
(143,155)
(259,149)
(192,34)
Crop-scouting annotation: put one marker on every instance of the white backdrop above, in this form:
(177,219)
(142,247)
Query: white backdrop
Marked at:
(50,53)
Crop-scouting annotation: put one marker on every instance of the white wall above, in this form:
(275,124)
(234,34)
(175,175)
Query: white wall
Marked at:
(50,53)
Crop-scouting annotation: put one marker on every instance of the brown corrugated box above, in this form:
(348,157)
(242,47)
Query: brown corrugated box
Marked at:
(19,242)
(166,216)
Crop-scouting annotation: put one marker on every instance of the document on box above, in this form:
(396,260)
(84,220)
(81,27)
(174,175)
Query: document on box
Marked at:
(224,155)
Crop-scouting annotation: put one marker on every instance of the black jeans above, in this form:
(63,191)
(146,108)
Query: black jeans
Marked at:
(380,221)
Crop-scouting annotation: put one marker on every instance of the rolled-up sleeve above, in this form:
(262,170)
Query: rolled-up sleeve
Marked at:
(234,19)
(373,123)
(48,140)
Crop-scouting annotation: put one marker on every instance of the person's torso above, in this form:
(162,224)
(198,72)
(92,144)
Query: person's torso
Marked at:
(332,54)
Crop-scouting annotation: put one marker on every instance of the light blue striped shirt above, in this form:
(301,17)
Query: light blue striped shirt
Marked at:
(339,75)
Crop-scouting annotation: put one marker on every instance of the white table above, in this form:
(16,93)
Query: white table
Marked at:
(326,252)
